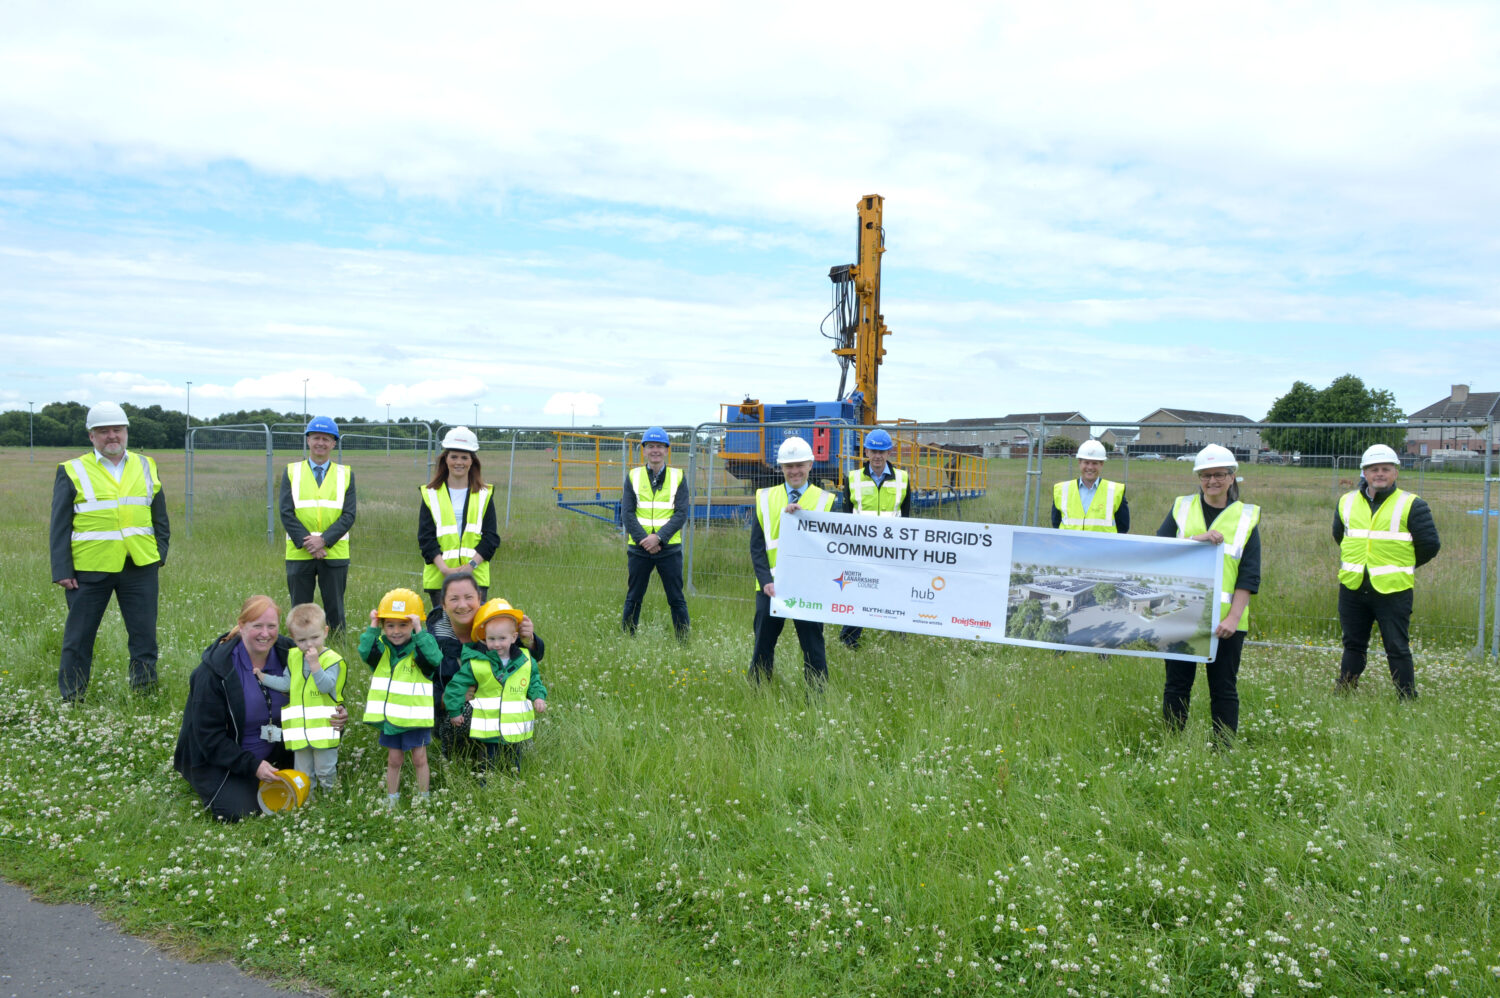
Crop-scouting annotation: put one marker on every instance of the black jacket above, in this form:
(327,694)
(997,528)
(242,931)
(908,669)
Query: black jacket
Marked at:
(629,503)
(1424,534)
(489,533)
(213,720)
(336,530)
(60,532)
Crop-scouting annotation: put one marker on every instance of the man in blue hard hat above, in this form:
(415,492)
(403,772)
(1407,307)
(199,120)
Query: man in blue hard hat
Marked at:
(108,536)
(653,507)
(877,489)
(317,511)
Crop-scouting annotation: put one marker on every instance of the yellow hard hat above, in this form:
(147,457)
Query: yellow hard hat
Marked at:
(398,604)
(492,609)
(287,793)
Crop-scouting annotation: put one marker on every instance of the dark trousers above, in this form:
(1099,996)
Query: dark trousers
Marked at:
(230,797)
(639,565)
(1362,607)
(1223,688)
(850,635)
(329,577)
(134,588)
(768,630)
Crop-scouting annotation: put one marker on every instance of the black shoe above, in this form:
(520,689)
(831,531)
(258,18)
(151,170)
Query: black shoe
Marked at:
(1346,683)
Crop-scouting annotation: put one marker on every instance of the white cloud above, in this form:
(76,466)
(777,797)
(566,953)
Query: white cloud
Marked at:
(573,404)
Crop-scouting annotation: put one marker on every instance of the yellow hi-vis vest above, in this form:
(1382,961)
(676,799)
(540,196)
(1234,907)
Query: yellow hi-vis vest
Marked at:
(1378,541)
(113,519)
(1235,523)
(883,501)
(654,508)
(502,711)
(1099,517)
(399,693)
(458,546)
(306,720)
(768,506)
(318,505)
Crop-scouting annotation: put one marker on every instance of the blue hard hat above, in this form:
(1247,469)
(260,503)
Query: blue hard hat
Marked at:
(322,424)
(878,440)
(656,435)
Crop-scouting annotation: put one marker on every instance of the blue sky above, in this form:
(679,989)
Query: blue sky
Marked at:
(628,214)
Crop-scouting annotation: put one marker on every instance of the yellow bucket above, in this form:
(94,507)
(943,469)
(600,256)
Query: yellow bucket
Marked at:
(287,793)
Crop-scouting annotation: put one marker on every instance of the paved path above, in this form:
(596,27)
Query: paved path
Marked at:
(66,949)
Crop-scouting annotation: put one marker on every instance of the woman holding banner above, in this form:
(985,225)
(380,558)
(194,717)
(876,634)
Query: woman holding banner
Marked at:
(456,521)
(1215,515)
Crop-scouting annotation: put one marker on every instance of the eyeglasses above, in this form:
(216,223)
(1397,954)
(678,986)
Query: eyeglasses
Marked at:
(1214,476)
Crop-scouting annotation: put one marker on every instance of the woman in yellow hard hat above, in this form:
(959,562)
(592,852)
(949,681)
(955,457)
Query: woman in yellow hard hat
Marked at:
(230,739)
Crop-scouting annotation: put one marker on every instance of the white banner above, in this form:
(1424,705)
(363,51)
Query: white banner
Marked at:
(1067,589)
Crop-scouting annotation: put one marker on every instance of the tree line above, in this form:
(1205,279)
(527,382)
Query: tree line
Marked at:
(61,424)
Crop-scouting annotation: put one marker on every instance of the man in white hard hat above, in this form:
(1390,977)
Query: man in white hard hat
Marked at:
(877,489)
(109,535)
(1089,502)
(317,511)
(795,459)
(653,508)
(1384,534)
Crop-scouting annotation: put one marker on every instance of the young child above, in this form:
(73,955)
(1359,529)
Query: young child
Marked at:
(314,684)
(507,684)
(401,699)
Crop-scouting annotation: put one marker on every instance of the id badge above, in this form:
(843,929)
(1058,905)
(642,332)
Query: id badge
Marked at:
(270,733)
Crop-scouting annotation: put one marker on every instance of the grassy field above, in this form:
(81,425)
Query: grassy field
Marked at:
(948,819)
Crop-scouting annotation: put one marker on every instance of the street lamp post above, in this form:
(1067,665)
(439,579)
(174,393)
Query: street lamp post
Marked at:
(304,399)
(188,416)
(476,413)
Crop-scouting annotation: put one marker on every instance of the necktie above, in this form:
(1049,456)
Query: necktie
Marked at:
(794,495)
(318,474)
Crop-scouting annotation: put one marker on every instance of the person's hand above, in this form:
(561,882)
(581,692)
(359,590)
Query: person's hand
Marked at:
(375,617)
(416,621)
(1211,537)
(260,674)
(1228,624)
(313,544)
(339,719)
(769,589)
(793,507)
(457,722)
(66,583)
(443,567)
(539,705)
(528,631)
(266,773)
(469,694)
(651,543)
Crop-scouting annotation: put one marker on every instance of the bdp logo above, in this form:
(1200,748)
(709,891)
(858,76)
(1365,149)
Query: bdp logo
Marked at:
(841,607)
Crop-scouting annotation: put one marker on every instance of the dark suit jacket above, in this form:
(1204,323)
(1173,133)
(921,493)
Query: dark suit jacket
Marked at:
(293,526)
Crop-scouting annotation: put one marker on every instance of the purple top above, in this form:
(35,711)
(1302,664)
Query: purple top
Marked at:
(256,713)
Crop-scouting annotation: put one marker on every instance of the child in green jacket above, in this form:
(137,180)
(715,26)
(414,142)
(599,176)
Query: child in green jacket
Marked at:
(508,692)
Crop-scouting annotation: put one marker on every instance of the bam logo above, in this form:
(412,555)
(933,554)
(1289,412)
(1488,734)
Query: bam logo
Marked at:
(798,603)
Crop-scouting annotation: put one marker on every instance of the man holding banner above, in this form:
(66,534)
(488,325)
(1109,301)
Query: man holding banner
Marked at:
(877,489)
(795,459)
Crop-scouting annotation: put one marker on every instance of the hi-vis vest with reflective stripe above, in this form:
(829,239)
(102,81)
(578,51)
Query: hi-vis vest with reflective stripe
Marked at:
(1379,541)
(112,519)
(502,712)
(652,508)
(399,694)
(1235,523)
(1100,516)
(768,506)
(883,501)
(306,720)
(318,505)
(457,546)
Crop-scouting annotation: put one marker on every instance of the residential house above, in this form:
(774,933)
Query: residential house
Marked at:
(1450,424)
(1183,431)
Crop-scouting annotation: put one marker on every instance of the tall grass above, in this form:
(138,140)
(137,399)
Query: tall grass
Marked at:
(948,818)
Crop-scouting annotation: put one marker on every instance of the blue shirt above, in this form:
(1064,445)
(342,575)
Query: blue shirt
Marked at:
(1086,492)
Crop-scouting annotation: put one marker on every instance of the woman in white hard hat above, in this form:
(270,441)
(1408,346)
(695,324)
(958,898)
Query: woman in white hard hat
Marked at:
(1089,502)
(1215,515)
(456,521)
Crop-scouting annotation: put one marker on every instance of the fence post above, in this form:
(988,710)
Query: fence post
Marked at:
(188,498)
(510,476)
(1489,479)
(692,525)
(270,488)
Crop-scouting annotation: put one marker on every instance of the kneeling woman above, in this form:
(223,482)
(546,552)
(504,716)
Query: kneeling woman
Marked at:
(1215,515)
(222,748)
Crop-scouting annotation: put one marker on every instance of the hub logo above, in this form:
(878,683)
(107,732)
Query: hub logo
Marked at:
(971,622)
(938,582)
(841,607)
(925,595)
(798,603)
(856,579)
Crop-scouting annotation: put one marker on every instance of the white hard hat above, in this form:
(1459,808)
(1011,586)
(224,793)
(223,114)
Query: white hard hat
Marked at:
(461,438)
(1091,450)
(793,450)
(106,414)
(1379,454)
(1215,456)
